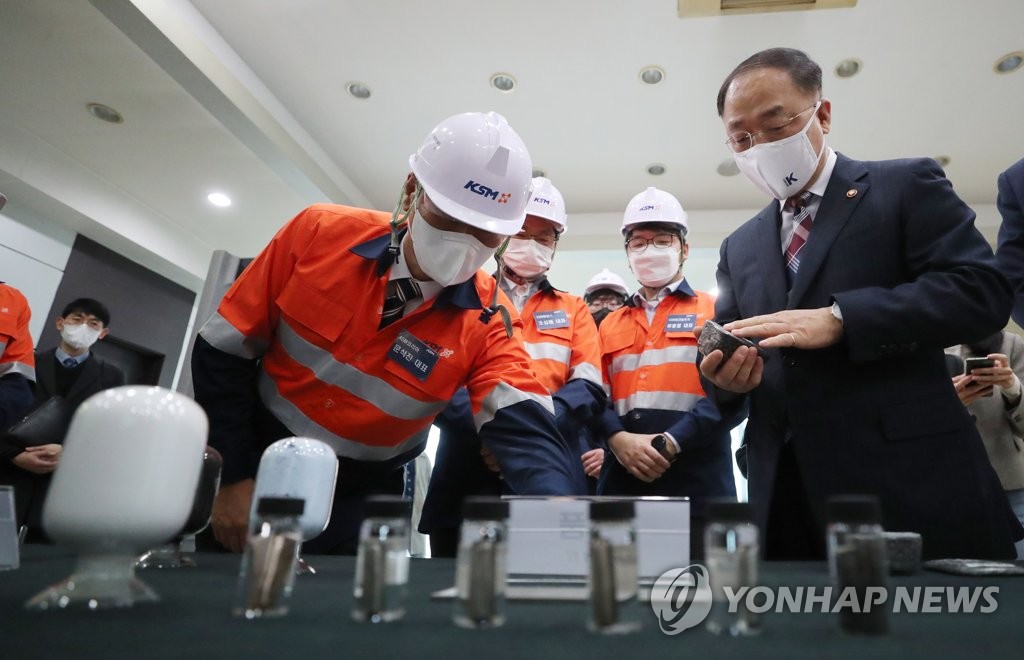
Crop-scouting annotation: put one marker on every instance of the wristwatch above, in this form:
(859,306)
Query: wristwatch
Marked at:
(661,445)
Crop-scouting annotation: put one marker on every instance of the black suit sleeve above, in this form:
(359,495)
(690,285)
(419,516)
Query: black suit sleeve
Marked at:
(953,293)
(16,400)
(1010,253)
(225,387)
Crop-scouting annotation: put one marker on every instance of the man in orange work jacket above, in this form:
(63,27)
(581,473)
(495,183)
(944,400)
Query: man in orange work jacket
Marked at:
(561,339)
(353,331)
(666,436)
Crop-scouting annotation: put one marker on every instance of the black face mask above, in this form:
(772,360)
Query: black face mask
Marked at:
(600,314)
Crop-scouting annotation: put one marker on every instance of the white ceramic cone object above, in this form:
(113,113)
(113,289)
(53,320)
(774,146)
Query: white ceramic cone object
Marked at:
(126,481)
(302,468)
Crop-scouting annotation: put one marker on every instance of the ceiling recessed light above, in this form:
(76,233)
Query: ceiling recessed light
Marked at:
(1010,62)
(728,167)
(538,172)
(219,199)
(652,75)
(944,161)
(657,169)
(358,90)
(848,68)
(503,82)
(105,113)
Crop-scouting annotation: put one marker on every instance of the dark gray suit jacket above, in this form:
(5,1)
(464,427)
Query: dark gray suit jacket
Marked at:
(877,413)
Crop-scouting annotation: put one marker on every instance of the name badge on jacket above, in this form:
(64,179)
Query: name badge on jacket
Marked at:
(413,355)
(681,323)
(549,320)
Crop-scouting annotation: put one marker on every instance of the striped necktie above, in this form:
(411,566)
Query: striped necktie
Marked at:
(802,220)
(399,291)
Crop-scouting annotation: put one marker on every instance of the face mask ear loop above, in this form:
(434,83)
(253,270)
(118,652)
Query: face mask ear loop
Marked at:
(399,218)
(495,308)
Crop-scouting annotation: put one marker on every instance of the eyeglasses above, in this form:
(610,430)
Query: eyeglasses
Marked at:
(547,239)
(639,244)
(740,142)
(610,303)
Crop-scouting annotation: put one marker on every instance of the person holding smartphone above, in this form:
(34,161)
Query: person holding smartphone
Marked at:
(990,388)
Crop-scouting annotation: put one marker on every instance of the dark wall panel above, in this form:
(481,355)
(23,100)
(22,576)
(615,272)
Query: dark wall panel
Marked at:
(148,313)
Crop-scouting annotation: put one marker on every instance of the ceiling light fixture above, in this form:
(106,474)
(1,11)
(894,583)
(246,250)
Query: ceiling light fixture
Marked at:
(652,75)
(1010,62)
(105,113)
(657,169)
(358,90)
(503,82)
(848,68)
(219,199)
(728,167)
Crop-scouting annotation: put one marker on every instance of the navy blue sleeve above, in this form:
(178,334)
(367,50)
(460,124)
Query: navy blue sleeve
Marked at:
(704,425)
(225,387)
(457,417)
(533,456)
(16,398)
(1010,253)
(576,404)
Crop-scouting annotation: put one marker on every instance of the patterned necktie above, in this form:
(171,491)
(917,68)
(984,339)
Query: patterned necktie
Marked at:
(802,220)
(398,292)
(70,363)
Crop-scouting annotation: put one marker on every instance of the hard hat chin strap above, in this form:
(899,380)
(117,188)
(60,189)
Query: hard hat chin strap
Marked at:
(400,217)
(495,308)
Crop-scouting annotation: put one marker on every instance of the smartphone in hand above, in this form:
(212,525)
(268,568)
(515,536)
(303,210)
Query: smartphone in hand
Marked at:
(970,364)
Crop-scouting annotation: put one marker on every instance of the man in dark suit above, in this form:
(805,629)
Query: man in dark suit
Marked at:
(853,290)
(72,372)
(1010,252)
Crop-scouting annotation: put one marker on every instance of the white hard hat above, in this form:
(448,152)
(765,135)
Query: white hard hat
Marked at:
(606,279)
(546,202)
(653,205)
(476,169)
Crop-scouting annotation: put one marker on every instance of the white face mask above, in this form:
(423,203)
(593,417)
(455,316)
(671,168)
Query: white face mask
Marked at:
(447,257)
(79,336)
(782,168)
(655,267)
(527,258)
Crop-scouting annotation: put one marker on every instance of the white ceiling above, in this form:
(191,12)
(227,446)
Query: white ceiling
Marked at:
(249,97)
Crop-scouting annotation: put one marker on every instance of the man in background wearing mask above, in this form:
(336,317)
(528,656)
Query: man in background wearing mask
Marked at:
(356,327)
(666,436)
(70,371)
(605,293)
(561,339)
(854,278)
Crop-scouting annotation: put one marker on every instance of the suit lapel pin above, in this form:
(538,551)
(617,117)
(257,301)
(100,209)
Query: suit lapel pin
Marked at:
(851,193)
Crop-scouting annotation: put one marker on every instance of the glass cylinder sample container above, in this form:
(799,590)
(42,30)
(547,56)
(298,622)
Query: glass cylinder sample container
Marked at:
(613,579)
(480,566)
(857,560)
(382,565)
(267,574)
(731,549)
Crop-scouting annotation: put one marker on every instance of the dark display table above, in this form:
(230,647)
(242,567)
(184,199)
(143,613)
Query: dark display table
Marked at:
(194,621)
